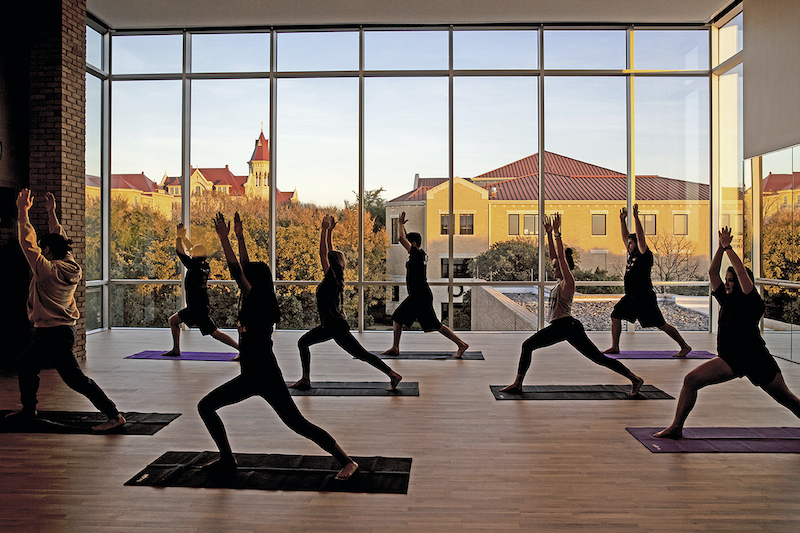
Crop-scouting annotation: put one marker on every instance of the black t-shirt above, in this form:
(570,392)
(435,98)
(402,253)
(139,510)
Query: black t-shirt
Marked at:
(330,301)
(637,273)
(416,273)
(198,272)
(739,317)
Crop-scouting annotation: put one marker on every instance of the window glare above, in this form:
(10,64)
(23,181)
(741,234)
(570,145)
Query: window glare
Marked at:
(670,49)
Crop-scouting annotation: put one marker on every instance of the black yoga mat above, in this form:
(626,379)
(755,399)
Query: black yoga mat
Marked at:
(358,388)
(468,355)
(82,423)
(722,440)
(580,392)
(388,475)
(660,354)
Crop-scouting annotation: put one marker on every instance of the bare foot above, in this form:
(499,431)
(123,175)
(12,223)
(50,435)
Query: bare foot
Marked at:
(111,423)
(301,384)
(514,388)
(461,349)
(670,433)
(221,467)
(684,352)
(636,384)
(612,351)
(347,471)
(395,379)
(172,353)
(391,351)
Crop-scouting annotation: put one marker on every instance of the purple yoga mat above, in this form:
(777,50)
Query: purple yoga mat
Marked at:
(185,356)
(660,354)
(722,440)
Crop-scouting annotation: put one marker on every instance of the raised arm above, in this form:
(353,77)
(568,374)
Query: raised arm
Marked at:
(324,240)
(548,228)
(53,225)
(179,240)
(725,240)
(401,232)
(641,242)
(623,226)
(223,228)
(238,230)
(566,273)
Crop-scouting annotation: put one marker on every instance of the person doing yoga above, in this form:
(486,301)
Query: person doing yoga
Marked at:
(196,312)
(260,374)
(53,312)
(640,296)
(563,327)
(330,302)
(419,303)
(742,351)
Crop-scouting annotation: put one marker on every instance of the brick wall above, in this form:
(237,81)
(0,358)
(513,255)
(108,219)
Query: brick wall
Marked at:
(494,311)
(57,126)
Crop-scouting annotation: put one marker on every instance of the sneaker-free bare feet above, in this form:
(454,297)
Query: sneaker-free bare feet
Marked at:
(636,384)
(347,471)
(670,433)
(391,351)
(301,384)
(172,353)
(111,423)
(461,349)
(684,352)
(612,351)
(394,380)
(514,388)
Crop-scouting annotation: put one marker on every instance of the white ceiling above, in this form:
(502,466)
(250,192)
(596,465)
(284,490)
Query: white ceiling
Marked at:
(144,14)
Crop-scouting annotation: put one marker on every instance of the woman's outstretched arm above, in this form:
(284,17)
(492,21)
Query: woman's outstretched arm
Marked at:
(238,230)
(223,228)
(716,264)
(566,273)
(725,240)
(324,239)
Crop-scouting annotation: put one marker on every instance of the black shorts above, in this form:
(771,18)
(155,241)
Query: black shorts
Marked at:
(417,309)
(758,365)
(199,320)
(645,308)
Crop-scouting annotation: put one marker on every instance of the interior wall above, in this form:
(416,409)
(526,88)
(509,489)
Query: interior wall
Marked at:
(771,75)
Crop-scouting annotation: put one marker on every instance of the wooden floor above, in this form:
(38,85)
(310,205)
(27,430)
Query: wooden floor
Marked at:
(478,464)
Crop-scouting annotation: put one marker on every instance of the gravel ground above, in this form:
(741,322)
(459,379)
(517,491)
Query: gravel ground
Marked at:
(596,316)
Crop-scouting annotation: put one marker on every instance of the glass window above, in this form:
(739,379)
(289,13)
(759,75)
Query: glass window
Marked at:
(230,52)
(670,50)
(94,181)
(598,224)
(731,37)
(460,267)
(94,48)
(513,224)
(585,49)
(317,51)
(395,231)
(496,49)
(147,54)
(318,116)
(680,224)
(531,224)
(445,221)
(465,224)
(406,50)
(649,224)
(779,226)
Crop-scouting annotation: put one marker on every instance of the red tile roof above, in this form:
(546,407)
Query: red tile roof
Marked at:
(261,151)
(569,179)
(780,182)
(136,182)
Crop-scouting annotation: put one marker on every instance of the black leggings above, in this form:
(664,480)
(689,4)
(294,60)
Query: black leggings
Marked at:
(570,330)
(263,380)
(340,333)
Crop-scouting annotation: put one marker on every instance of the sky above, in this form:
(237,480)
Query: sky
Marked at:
(406,124)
